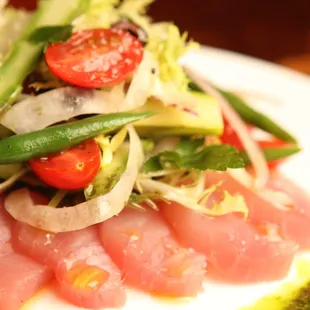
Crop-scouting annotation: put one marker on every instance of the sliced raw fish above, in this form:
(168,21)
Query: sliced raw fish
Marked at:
(150,258)
(235,249)
(86,275)
(21,277)
(293,223)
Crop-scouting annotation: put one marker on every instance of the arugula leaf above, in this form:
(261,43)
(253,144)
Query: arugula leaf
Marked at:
(191,155)
(50,34)
(188,146)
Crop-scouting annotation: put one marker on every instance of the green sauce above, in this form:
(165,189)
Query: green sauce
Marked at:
(293,295)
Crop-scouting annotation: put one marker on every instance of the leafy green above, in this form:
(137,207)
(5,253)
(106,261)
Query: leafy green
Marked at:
(167,44)
(100,14)
(191,155)
(50,34)
(274,153)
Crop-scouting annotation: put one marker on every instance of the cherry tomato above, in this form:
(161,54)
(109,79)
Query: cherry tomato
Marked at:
(230,137)
(71,169)
(95,58)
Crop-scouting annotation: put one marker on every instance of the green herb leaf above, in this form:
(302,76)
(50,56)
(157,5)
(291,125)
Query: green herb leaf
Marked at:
(190,155)
(274,153)
(50,34)
(188,146)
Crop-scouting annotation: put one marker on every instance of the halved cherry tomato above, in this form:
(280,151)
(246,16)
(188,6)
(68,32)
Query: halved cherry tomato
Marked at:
(71,169)
(95,58)
(230,137)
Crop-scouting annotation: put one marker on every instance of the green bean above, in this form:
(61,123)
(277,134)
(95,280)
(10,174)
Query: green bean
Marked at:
(252,116)
(274,153)
(21,148)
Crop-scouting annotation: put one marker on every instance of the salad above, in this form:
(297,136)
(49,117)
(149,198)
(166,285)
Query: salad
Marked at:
(122,167)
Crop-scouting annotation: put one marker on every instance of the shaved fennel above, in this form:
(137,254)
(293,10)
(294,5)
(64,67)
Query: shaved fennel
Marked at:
(65,103)
(21,206)
(253,150)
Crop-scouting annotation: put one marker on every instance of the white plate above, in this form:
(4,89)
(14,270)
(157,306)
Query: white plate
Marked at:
(291,93)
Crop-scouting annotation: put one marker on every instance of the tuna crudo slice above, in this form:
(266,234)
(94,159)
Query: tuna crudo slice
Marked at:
(21,277)
(235,249)
(146,251)
(86,275)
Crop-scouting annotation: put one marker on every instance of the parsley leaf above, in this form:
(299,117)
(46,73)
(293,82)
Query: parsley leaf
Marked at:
(50,34)
(191,155)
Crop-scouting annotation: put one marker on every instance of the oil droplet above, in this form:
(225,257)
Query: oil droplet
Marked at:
(87,277)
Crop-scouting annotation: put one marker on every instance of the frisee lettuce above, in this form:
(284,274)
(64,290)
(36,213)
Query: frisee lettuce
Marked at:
(194,199)
(168,45)
(100,14)
(191,154)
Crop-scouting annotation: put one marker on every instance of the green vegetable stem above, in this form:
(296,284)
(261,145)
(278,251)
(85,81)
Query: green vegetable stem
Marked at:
(274,153)
(253,117)
(20,148)
(26,53)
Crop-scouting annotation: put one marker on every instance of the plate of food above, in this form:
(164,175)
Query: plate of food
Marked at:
(140,170)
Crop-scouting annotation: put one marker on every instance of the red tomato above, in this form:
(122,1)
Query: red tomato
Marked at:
(230,137)
(95,58)
(71,169)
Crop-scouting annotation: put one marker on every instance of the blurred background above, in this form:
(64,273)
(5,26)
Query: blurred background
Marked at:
(273,30)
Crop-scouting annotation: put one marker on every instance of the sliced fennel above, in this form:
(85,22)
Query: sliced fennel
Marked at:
(62,104)
(21,206)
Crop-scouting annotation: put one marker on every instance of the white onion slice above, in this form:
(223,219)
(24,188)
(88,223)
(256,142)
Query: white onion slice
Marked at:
(170,94)
(59,105)
(253,150)
(21,206)
(62,104)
